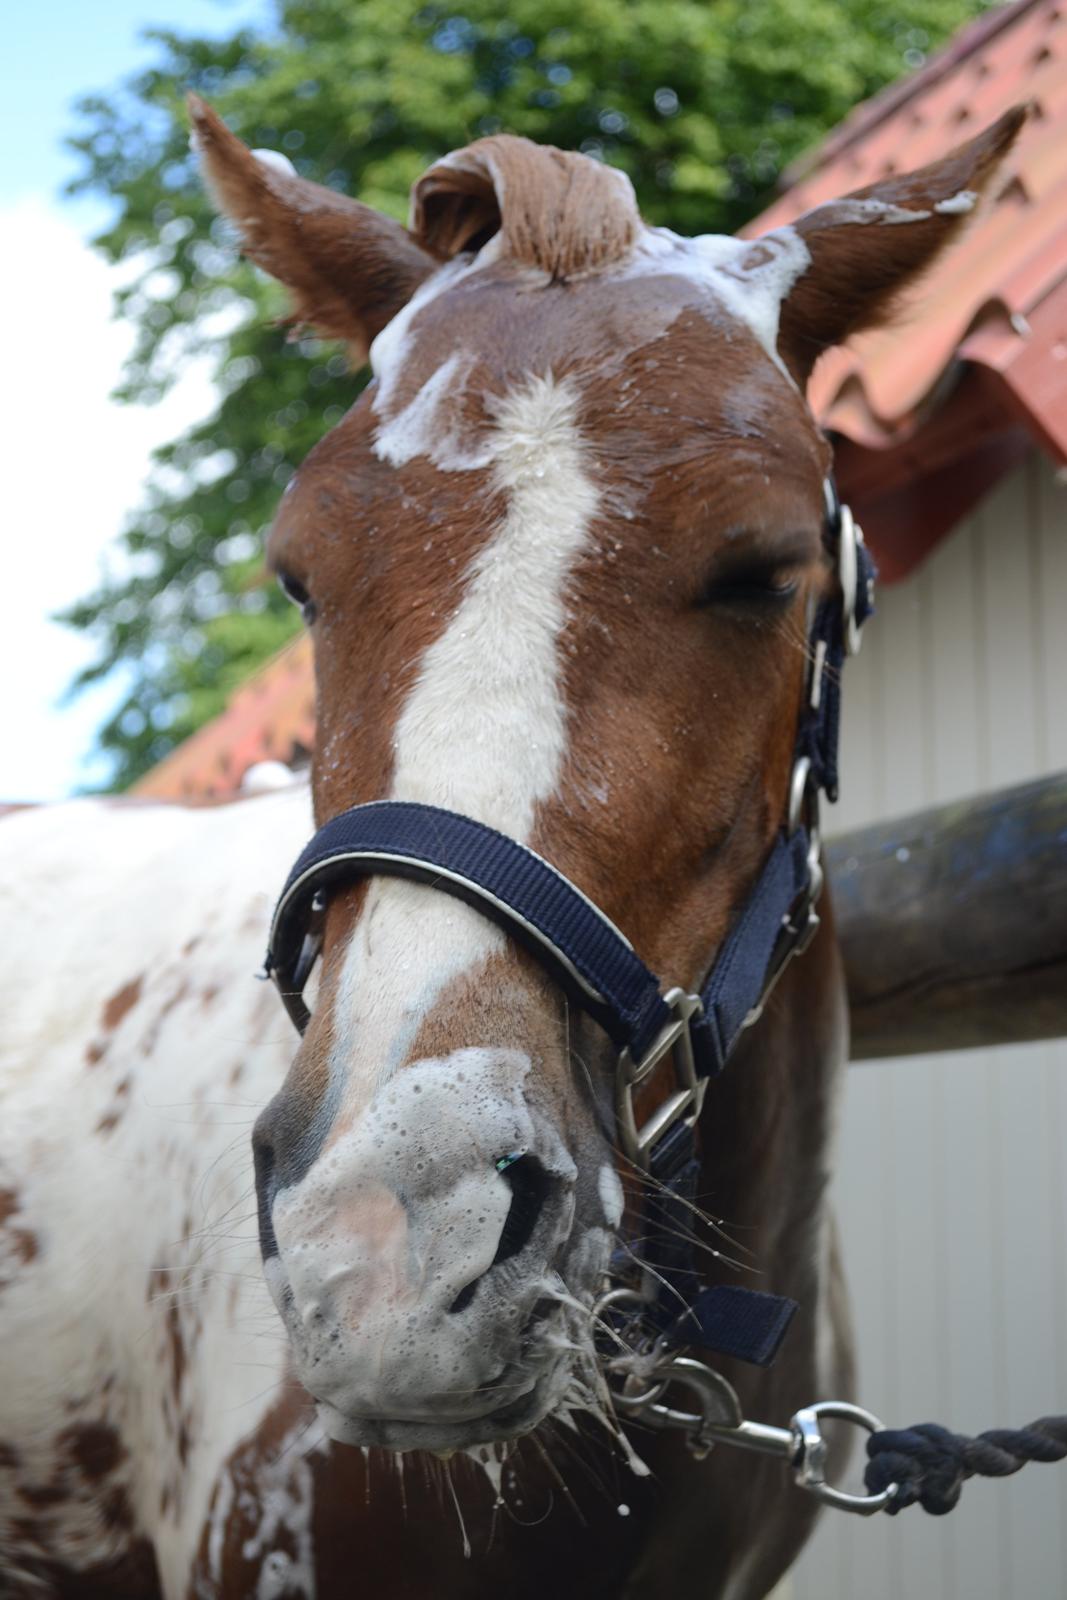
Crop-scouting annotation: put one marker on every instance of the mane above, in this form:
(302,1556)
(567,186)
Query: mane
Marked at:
(555,210)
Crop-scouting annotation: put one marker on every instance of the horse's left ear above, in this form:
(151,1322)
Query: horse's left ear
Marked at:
(867,247)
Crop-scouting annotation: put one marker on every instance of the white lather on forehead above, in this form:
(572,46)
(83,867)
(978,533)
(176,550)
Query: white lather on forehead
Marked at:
(431,424)
(390,350)
(749,278)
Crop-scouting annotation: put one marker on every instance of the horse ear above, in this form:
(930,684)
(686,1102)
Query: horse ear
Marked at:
(349,269)
(866,248)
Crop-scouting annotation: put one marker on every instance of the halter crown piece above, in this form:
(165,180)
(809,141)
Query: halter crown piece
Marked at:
(598,967)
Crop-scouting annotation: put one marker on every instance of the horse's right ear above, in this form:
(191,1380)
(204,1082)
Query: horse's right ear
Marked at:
(349,269)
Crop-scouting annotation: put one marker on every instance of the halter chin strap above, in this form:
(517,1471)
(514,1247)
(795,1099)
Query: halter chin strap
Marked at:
(597,965)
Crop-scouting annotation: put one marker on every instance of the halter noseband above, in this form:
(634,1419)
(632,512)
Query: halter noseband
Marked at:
(588,956)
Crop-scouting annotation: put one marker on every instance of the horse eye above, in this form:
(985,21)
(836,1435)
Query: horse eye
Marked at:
(294,590)
(751,586)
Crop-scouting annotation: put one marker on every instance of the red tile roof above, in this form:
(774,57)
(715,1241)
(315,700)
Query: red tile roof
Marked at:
(271,717)
(974,368)
(927,414)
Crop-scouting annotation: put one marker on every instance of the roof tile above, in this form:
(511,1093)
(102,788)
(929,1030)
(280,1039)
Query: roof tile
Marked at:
(882,385)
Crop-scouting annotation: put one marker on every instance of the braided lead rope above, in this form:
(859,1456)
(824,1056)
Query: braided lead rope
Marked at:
(930,1465)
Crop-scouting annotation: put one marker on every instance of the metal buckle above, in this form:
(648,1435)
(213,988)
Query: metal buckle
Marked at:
(850,535)
(642,1399)
(720,1420)
(684,1104)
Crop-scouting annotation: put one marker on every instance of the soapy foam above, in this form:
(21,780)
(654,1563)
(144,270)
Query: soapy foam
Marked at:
(883,213)
(746,278)
(957,205)
(400,1215)
(275,160)
(609,1186)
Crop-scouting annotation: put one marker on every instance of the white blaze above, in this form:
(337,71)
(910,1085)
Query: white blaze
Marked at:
(484,728)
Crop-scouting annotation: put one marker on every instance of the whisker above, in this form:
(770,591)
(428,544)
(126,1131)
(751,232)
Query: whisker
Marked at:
(560,1439)
(658,1276)
(715,1224)
(292,1442)
(557,1477)
(458,1509)
(566,1299)
(636,1241)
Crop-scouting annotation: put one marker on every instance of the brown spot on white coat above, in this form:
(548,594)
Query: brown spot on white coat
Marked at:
(121,1002)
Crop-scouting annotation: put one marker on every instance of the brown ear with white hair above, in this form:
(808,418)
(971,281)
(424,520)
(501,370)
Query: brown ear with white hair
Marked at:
(869,246)
(349,269)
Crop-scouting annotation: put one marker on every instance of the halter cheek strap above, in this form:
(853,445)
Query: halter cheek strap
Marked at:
(598,967)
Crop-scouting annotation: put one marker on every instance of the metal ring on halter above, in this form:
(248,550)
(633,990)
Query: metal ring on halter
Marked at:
(719,1417)
(799,783)
(638,1302)
(810,1461)
(848,575)
(614,1299)
(619,1297)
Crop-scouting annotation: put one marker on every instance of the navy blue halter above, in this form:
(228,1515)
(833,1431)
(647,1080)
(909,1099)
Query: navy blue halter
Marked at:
(544,912)
(598,967)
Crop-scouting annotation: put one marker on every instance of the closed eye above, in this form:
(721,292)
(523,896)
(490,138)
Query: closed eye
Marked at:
(751,586)
(294,590)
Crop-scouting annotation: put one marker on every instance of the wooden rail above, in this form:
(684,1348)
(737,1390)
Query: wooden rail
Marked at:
(953,923)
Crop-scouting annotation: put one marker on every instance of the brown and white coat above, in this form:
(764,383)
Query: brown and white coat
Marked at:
(558,562)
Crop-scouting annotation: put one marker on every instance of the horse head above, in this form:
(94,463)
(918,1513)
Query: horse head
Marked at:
(558,563)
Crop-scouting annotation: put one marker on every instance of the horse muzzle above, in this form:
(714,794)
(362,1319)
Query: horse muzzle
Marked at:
(427,1264)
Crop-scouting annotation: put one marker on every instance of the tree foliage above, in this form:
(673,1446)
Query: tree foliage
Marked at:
(702,102)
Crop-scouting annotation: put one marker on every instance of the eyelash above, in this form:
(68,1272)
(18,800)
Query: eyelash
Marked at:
(749,588)
(295,592)
(742,588)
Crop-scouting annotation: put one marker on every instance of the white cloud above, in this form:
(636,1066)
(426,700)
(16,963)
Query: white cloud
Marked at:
(74,464)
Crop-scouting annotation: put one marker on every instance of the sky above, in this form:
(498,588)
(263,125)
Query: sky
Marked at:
(74,462)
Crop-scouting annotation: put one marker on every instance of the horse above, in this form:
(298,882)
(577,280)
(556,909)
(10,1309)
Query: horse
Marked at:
(559,563)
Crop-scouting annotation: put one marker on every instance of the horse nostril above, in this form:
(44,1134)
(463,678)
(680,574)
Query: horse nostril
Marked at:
(464,1297)
(263,1159)
(530,1187)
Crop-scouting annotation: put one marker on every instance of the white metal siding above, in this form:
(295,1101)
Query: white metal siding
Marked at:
(952,1169)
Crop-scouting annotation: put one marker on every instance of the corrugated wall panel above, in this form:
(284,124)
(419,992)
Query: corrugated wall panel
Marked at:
(951,1179)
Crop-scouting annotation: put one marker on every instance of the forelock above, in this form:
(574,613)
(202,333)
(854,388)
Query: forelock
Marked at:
(562,213)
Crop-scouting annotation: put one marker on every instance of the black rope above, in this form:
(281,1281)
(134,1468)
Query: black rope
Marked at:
(930,1465)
